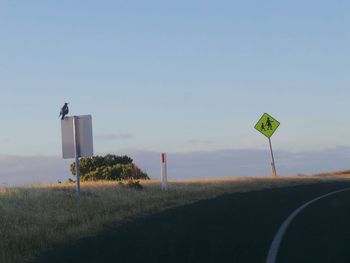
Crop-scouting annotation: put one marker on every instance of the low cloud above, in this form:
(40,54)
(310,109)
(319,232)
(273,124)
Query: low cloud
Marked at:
(114,137)
(245,162)
(199,142)
(19,170)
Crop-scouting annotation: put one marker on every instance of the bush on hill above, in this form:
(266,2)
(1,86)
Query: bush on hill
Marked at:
(108,167)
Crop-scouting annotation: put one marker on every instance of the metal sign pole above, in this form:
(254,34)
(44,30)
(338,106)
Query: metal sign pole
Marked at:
(273,160)
(76,148)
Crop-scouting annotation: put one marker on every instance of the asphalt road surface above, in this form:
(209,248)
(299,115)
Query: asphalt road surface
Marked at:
(232,228)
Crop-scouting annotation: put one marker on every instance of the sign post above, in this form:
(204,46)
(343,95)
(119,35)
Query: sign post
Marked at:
(77,154)
(273,160)
(77,141)
(164,172)
(267,125)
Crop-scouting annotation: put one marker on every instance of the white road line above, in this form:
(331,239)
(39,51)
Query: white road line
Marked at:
(272,255)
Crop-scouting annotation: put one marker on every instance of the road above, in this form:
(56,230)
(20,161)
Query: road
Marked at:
(231,228)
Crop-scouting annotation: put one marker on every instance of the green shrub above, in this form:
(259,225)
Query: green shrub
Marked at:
(109,167)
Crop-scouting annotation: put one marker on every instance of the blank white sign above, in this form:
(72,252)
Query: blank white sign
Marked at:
(84,137)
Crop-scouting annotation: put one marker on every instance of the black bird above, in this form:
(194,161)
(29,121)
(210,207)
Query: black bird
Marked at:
(64,111)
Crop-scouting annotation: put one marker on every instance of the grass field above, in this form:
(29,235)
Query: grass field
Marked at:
(36,218)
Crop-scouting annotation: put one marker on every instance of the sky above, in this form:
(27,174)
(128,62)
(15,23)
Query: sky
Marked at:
(175,76)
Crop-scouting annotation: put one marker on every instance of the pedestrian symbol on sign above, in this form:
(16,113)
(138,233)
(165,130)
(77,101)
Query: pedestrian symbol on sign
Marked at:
(269,123)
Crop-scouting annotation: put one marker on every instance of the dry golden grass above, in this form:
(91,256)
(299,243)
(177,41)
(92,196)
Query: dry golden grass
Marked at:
(36,218)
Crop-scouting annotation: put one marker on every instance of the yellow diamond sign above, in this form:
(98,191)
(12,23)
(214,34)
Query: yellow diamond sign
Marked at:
(267,125)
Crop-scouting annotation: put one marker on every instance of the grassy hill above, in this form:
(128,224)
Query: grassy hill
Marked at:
(36,218)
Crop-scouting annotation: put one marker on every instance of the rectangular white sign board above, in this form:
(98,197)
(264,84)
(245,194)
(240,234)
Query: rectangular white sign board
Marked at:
(84,137)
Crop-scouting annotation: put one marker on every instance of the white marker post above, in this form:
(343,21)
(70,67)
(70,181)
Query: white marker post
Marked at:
(163,172)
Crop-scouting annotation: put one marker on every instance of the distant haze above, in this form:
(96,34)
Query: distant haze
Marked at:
(18,170)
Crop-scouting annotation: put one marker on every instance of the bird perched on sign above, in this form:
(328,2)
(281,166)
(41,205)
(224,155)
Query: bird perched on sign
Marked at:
(64,111)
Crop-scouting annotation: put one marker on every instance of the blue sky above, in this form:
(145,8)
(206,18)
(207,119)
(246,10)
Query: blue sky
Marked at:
(175,76)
